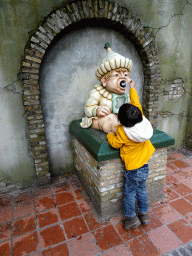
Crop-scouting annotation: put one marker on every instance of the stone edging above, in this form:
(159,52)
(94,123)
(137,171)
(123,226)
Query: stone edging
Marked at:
(41,39)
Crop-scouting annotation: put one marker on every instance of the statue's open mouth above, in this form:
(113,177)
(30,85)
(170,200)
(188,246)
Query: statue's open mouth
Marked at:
(123,84)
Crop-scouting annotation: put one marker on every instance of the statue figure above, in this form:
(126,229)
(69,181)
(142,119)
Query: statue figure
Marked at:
(104,101)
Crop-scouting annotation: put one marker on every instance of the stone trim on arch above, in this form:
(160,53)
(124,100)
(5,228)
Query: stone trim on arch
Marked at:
(41,39)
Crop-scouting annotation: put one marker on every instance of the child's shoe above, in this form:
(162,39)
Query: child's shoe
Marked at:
(131,222)
(144,218)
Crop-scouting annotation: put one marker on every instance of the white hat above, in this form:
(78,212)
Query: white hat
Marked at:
(112,61)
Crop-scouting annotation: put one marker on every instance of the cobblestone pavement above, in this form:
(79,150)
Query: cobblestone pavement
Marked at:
(59,220)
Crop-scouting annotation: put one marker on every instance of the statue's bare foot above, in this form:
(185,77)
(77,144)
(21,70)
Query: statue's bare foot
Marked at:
(106,124)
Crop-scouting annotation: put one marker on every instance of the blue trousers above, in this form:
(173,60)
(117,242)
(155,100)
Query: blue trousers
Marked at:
(134,187)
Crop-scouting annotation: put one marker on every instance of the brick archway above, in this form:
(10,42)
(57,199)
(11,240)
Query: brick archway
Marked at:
(42,38)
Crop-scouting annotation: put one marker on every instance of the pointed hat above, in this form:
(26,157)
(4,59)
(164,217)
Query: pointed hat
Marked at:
(112,61)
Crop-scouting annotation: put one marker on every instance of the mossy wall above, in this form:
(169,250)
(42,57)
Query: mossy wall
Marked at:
(170,22)
(18,18)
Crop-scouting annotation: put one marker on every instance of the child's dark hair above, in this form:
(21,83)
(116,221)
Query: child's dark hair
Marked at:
(129,115)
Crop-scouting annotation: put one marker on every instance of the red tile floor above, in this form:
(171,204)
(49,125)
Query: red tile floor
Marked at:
(59,220)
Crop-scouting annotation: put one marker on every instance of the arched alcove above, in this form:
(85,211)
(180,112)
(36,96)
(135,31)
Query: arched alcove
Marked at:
(67,75)
(59,23)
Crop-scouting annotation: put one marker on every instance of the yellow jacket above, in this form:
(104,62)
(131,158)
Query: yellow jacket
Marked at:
(134,154)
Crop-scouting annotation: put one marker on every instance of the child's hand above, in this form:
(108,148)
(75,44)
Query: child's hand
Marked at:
(131,83)
(112,130)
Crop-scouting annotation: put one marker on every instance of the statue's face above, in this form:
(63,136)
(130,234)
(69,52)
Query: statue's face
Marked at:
(117,81)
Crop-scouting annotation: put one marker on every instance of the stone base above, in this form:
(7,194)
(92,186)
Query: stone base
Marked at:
(103,181)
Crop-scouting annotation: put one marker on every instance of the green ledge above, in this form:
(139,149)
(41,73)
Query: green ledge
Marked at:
(96,142)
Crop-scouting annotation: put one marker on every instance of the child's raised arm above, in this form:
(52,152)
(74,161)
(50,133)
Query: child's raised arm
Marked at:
(131,83)
(134,96)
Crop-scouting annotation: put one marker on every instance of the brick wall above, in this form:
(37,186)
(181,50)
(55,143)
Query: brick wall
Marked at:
(173,89)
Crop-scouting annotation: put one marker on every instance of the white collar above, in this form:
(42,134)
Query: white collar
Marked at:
(104,92)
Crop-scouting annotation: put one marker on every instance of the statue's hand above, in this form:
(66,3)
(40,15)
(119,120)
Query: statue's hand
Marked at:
(103,111)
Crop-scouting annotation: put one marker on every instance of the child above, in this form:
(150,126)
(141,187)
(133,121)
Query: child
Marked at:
(132,137)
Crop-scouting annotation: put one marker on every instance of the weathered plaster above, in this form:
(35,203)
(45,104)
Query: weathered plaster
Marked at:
(17,20)
(170,22)
(16,163)
(157,13)
(175,62)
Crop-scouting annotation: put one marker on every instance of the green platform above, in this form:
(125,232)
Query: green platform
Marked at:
(96,142)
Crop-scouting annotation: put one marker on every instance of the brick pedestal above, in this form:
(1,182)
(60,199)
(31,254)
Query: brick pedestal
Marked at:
(101,169)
